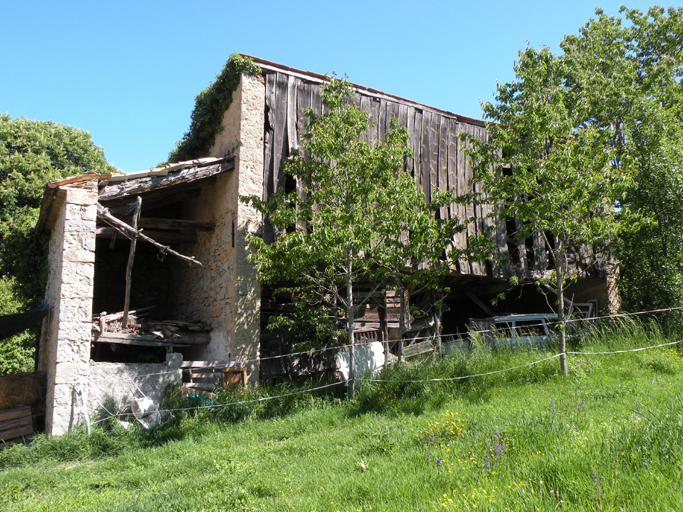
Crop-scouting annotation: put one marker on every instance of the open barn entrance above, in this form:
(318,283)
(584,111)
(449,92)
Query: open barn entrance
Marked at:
(145,240)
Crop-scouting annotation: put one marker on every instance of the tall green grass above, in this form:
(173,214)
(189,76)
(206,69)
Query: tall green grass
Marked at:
(607,437)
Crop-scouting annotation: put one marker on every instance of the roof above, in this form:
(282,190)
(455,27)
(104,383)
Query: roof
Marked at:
(120,187)
(317,77)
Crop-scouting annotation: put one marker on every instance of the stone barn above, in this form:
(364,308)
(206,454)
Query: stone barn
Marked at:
(148,271)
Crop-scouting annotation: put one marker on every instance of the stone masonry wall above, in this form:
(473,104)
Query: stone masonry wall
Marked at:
(65,343)
(115,385)
(226,292)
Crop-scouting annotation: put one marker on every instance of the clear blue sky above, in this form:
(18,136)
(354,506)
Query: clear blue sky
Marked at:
(128,72)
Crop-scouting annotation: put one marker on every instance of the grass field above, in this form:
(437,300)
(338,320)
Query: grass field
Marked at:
(608,437)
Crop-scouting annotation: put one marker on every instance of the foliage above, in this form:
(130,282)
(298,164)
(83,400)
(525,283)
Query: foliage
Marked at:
(609,438)
(644,58)
(550,164)
(611,101)
(209,107)
(17,352)
(32,153)
(341,234)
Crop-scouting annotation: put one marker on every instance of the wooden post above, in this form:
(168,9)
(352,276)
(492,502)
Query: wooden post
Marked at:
(131,257)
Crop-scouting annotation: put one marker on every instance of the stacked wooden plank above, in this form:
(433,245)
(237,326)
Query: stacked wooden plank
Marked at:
(209,375)
(108,328)
(15,423)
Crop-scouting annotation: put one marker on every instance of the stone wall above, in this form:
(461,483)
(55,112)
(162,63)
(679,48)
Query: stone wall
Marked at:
(225,292)
(65,343)
(115,385)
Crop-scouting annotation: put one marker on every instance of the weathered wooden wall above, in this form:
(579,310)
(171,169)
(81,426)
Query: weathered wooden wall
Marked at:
(439,161)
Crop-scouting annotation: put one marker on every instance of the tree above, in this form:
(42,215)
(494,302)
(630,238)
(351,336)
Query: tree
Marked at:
(350,225)
(32,153)
(643,57)
(550,166)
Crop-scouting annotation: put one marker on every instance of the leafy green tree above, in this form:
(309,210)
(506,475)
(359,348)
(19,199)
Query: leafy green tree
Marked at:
(346,230)
(32,153)
(645,57)
(550,166)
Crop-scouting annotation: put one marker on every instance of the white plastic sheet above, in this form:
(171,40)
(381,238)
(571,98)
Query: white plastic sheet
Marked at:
(369,360)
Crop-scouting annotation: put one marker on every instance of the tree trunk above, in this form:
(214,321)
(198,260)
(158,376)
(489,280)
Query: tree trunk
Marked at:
(351,332)
(401,319)
(560,263)
(437,327)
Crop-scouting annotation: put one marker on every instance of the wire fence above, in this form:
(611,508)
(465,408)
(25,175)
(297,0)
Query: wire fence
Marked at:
(447,337)
(404,381)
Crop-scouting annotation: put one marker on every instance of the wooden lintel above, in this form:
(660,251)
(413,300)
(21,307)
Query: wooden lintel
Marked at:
(143,343)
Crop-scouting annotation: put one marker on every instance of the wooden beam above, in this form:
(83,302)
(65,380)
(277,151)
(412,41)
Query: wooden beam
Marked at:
(157,223)
(163,237)
(186,338)
(141,185)
(479,303)
(131,257)
(104,214)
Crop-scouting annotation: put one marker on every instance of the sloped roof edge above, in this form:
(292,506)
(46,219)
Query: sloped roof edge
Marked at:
(52,188)
(317,77)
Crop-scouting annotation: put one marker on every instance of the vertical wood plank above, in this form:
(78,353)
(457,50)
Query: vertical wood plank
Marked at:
(521,248)
(540,253)
(382,120)
(464,188)
(433,153)
(365,107)
(443,161)
(416,138)
(410,127)
(280,132)
(268,136)
(316,100)
(268,141)
(303,103)
(424,155)
(292,114)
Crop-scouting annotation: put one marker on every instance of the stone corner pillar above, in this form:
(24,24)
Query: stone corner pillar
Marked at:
(66,337)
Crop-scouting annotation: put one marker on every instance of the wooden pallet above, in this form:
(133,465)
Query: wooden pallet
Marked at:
(15,423)
(208,375)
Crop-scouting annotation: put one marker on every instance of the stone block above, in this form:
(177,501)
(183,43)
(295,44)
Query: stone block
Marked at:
(173,359)
(66,372)
(89,212)
(83,196)
(79,255)
(61,421)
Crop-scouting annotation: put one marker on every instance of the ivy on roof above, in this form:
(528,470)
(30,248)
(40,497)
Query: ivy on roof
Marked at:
(209,106)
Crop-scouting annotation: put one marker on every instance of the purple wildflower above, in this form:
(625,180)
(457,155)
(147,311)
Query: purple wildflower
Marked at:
(438,463)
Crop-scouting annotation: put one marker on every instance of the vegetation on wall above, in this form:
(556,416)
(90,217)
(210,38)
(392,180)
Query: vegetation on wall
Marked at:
(32,153)
(209,106)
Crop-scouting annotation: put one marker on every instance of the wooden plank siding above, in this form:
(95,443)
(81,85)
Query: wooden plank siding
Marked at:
(439,162)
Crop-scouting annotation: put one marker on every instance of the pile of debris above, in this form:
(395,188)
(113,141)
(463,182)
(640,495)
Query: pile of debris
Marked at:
(138,324)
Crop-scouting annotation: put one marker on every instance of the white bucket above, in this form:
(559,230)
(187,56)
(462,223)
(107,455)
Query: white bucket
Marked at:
(143,407)
(146,412)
